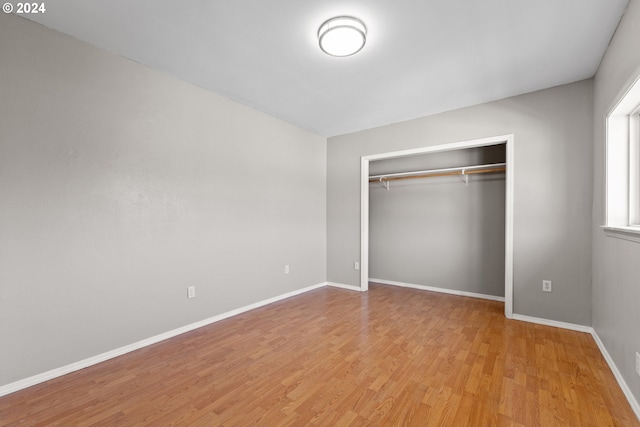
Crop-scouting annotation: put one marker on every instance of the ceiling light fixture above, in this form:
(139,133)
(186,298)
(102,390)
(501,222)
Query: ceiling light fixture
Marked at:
(342,36)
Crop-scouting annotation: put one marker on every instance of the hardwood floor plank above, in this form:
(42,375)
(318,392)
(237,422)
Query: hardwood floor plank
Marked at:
(391,356)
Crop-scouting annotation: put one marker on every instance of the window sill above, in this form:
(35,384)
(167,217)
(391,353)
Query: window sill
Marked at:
(621,232)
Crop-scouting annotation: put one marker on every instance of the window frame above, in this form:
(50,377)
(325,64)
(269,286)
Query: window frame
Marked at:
(634,167)
(622,162)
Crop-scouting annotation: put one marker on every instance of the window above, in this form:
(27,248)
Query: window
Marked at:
(634,167)
(623,166)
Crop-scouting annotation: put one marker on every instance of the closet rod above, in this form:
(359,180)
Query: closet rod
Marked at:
(463,170)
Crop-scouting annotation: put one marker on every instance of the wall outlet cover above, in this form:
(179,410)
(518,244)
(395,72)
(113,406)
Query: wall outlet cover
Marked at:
(638,363)
(546,285)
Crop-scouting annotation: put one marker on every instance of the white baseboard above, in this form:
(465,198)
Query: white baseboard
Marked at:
(616,373)
(58,372)
(54,373)
(343,286)
(435,289)
(554,323)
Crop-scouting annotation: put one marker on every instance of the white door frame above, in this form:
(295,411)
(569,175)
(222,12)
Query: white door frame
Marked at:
(364,205)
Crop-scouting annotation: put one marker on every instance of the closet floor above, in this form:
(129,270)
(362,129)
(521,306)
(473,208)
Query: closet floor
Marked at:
(390,356)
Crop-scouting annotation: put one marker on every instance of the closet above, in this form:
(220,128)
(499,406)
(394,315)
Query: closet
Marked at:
(437,220)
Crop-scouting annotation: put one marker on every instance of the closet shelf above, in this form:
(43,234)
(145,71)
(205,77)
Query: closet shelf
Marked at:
(462,171)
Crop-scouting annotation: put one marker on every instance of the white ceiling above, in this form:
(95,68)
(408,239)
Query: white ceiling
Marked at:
(422,56)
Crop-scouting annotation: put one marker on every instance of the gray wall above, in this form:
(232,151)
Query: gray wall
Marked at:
(121,186)
(616,262)
(438,231)
(553,191)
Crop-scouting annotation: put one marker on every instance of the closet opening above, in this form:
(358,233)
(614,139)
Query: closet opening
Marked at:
(441,218)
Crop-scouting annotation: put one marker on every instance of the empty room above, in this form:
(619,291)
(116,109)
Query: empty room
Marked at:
(331,213)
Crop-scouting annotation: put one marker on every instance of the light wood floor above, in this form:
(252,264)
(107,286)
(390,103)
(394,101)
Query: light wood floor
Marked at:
(391,356)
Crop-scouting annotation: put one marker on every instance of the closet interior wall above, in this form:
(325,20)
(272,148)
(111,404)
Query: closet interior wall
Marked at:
(439,231)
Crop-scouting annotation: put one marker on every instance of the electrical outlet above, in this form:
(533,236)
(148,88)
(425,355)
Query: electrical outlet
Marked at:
(638,363)
(191,292)
(546,285)
(356,265)
(286,269)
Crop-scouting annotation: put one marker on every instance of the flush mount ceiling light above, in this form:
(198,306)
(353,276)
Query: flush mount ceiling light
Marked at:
(342,36)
